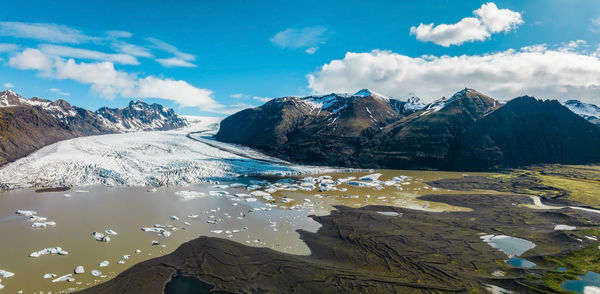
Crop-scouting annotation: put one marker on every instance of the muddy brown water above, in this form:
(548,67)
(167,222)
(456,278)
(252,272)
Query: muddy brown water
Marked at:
(126,210)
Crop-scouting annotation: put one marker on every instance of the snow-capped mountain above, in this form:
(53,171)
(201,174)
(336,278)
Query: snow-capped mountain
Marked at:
(29,124)
(588,111)
(140,116)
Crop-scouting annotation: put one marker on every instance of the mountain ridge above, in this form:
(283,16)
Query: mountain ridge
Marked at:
(370,130)
(29,124)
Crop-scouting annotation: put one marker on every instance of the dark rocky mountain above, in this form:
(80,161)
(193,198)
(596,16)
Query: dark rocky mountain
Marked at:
(369,130)
(527,131)
(315,129)
(588,111)
(29,124)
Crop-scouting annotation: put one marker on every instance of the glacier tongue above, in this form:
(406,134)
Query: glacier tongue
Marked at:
(158,158)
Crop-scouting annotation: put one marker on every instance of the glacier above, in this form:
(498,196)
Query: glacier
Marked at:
(155,158)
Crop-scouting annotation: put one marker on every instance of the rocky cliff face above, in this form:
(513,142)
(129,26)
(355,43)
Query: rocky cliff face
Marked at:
(29,124)
(370,130)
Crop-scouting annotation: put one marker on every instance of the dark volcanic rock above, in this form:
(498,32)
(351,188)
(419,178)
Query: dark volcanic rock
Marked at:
(363,251)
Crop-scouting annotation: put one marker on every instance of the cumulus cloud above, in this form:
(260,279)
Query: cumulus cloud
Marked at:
(8,85)
(109,82)
(308,38)
(237,96)
(43,31)
(66,51)
(487,21)
(533,70)
(32,59)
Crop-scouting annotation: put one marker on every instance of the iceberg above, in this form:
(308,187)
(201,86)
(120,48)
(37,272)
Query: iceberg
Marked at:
(79,270)
(104,263)
(95,273)
(100,237)
(186,195)
(154,242)
(6,274)
(43,225)
(49,276)
(125,256)
(174,218)
(26,212)
(46,251)
(111,232)
(68,278)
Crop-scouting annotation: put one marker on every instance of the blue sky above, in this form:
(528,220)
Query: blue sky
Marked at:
(214,57)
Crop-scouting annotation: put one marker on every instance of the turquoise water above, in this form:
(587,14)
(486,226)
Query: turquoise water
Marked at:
(561,269)
(520,262)
(589,279)
(511,246)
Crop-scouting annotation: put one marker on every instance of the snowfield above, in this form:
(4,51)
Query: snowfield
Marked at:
(159,158)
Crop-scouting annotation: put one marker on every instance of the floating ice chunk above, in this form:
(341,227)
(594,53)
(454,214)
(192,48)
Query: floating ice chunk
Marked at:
(193,216)
(217,231)
(363,184)
(67,278)
(126,256)
(190,194)
(371,177)
(187,223)
(104,263)
(152,190)
(67,195)
(218,193)
(100,237)
(111,232)
(6,274)
(212,221)
(26,212)
(43,225)
(46,251)
(154,242)
(154,230)
(250,199)
(120,262)
(81,191)
(137,251)
(236,185)
(35,218)
(286,200)
(165,234)
(79,270)
(564,228)
(174,218)
(95,273)
(49,276)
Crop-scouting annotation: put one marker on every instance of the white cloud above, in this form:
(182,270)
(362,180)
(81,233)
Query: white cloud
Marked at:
(181,92)
(32,59)
(43,31)
(131,49)
(59,92)
(6,47)
(109,82)
(66,51)
(8,85)
(179,58)
(262,99)
(309,38)
(118,34)
(488,20)
(533,70)
(237,96)
(174,62)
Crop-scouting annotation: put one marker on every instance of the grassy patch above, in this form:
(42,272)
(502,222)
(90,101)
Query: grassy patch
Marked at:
(577,264)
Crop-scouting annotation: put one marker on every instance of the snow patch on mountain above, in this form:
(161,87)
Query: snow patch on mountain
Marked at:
(585,110)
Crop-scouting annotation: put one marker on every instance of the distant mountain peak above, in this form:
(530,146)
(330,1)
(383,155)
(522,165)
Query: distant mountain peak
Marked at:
(367,93)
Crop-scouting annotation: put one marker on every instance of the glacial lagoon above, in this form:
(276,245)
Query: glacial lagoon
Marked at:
(253,211)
